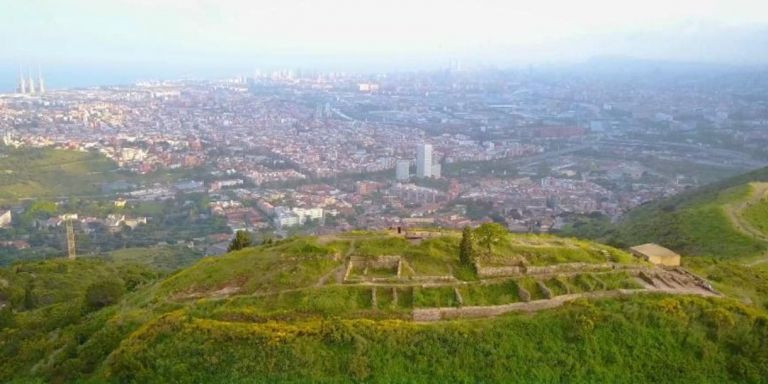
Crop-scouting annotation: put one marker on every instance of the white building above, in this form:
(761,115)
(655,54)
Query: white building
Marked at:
(424,161)
(285,217)
(308,214)
(437,170)
(403,170)
(5,219)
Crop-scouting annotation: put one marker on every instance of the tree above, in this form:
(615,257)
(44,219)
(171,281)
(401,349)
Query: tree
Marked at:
(467,247)
(242,240)
(104,293)
(489,233)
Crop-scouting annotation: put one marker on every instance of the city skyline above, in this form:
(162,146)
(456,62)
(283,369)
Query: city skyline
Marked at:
(179,37)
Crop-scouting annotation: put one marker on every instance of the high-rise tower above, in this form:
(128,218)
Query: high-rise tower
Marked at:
(22,82)
(31,83)
(40,82)
(402,170)
(424,161)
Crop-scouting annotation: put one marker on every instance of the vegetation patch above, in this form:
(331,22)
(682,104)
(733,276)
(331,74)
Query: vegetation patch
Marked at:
(489,294)
(692,339)
(425,297)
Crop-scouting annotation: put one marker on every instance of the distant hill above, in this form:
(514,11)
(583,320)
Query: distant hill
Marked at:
(727,219)
(380,308)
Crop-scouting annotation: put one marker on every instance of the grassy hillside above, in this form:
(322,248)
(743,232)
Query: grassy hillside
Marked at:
(162,259)
(756,214)
(45,312)
(697,227)
(728,219)
(328,310)
(47,173)
(656,339)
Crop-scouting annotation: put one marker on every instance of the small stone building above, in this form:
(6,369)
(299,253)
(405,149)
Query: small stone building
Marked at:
(656,254)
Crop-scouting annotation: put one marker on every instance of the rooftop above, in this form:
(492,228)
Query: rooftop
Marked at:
(651,249)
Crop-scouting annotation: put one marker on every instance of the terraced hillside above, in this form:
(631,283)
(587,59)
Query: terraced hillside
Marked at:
(376,307)
(382,275)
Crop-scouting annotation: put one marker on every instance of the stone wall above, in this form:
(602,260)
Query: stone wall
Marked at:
(447,313)
(501,271)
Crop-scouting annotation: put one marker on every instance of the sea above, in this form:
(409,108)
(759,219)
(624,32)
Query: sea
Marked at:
(85,76)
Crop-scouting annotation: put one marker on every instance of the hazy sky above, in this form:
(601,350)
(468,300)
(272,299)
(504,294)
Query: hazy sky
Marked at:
(349,33)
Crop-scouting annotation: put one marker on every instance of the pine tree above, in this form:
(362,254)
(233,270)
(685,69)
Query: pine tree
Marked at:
(242,239)
(466,248)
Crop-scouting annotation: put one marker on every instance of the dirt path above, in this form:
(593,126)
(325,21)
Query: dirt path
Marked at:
(761,260)
(734,212)
(337,273)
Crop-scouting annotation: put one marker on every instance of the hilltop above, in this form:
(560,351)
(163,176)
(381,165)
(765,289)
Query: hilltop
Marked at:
(378,307)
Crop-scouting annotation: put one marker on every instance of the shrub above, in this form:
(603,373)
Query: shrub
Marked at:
(104,293)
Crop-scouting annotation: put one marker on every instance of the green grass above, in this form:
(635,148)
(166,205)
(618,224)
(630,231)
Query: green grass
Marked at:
(381,246)
(434,297)
(618,280)
(584,283)
(530,285)
(321,301)
(436,256)
(541,250)
(649,340)
(292,264)
(558,286)
(489,294)
(747,283)
(757,215)
(48,173)
(165,259)
(405,297)
(385,299)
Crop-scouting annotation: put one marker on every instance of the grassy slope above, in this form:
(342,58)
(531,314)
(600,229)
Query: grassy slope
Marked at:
(259,269)
(693,223)
(757,215)
(45,173)
(695,227)
(50,320)
(163,259)
(331,333)
(748,283)
(653,339)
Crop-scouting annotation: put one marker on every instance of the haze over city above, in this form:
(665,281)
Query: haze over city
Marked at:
(88,42)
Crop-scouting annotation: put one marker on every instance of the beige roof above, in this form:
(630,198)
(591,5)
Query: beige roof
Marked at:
(656,250)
